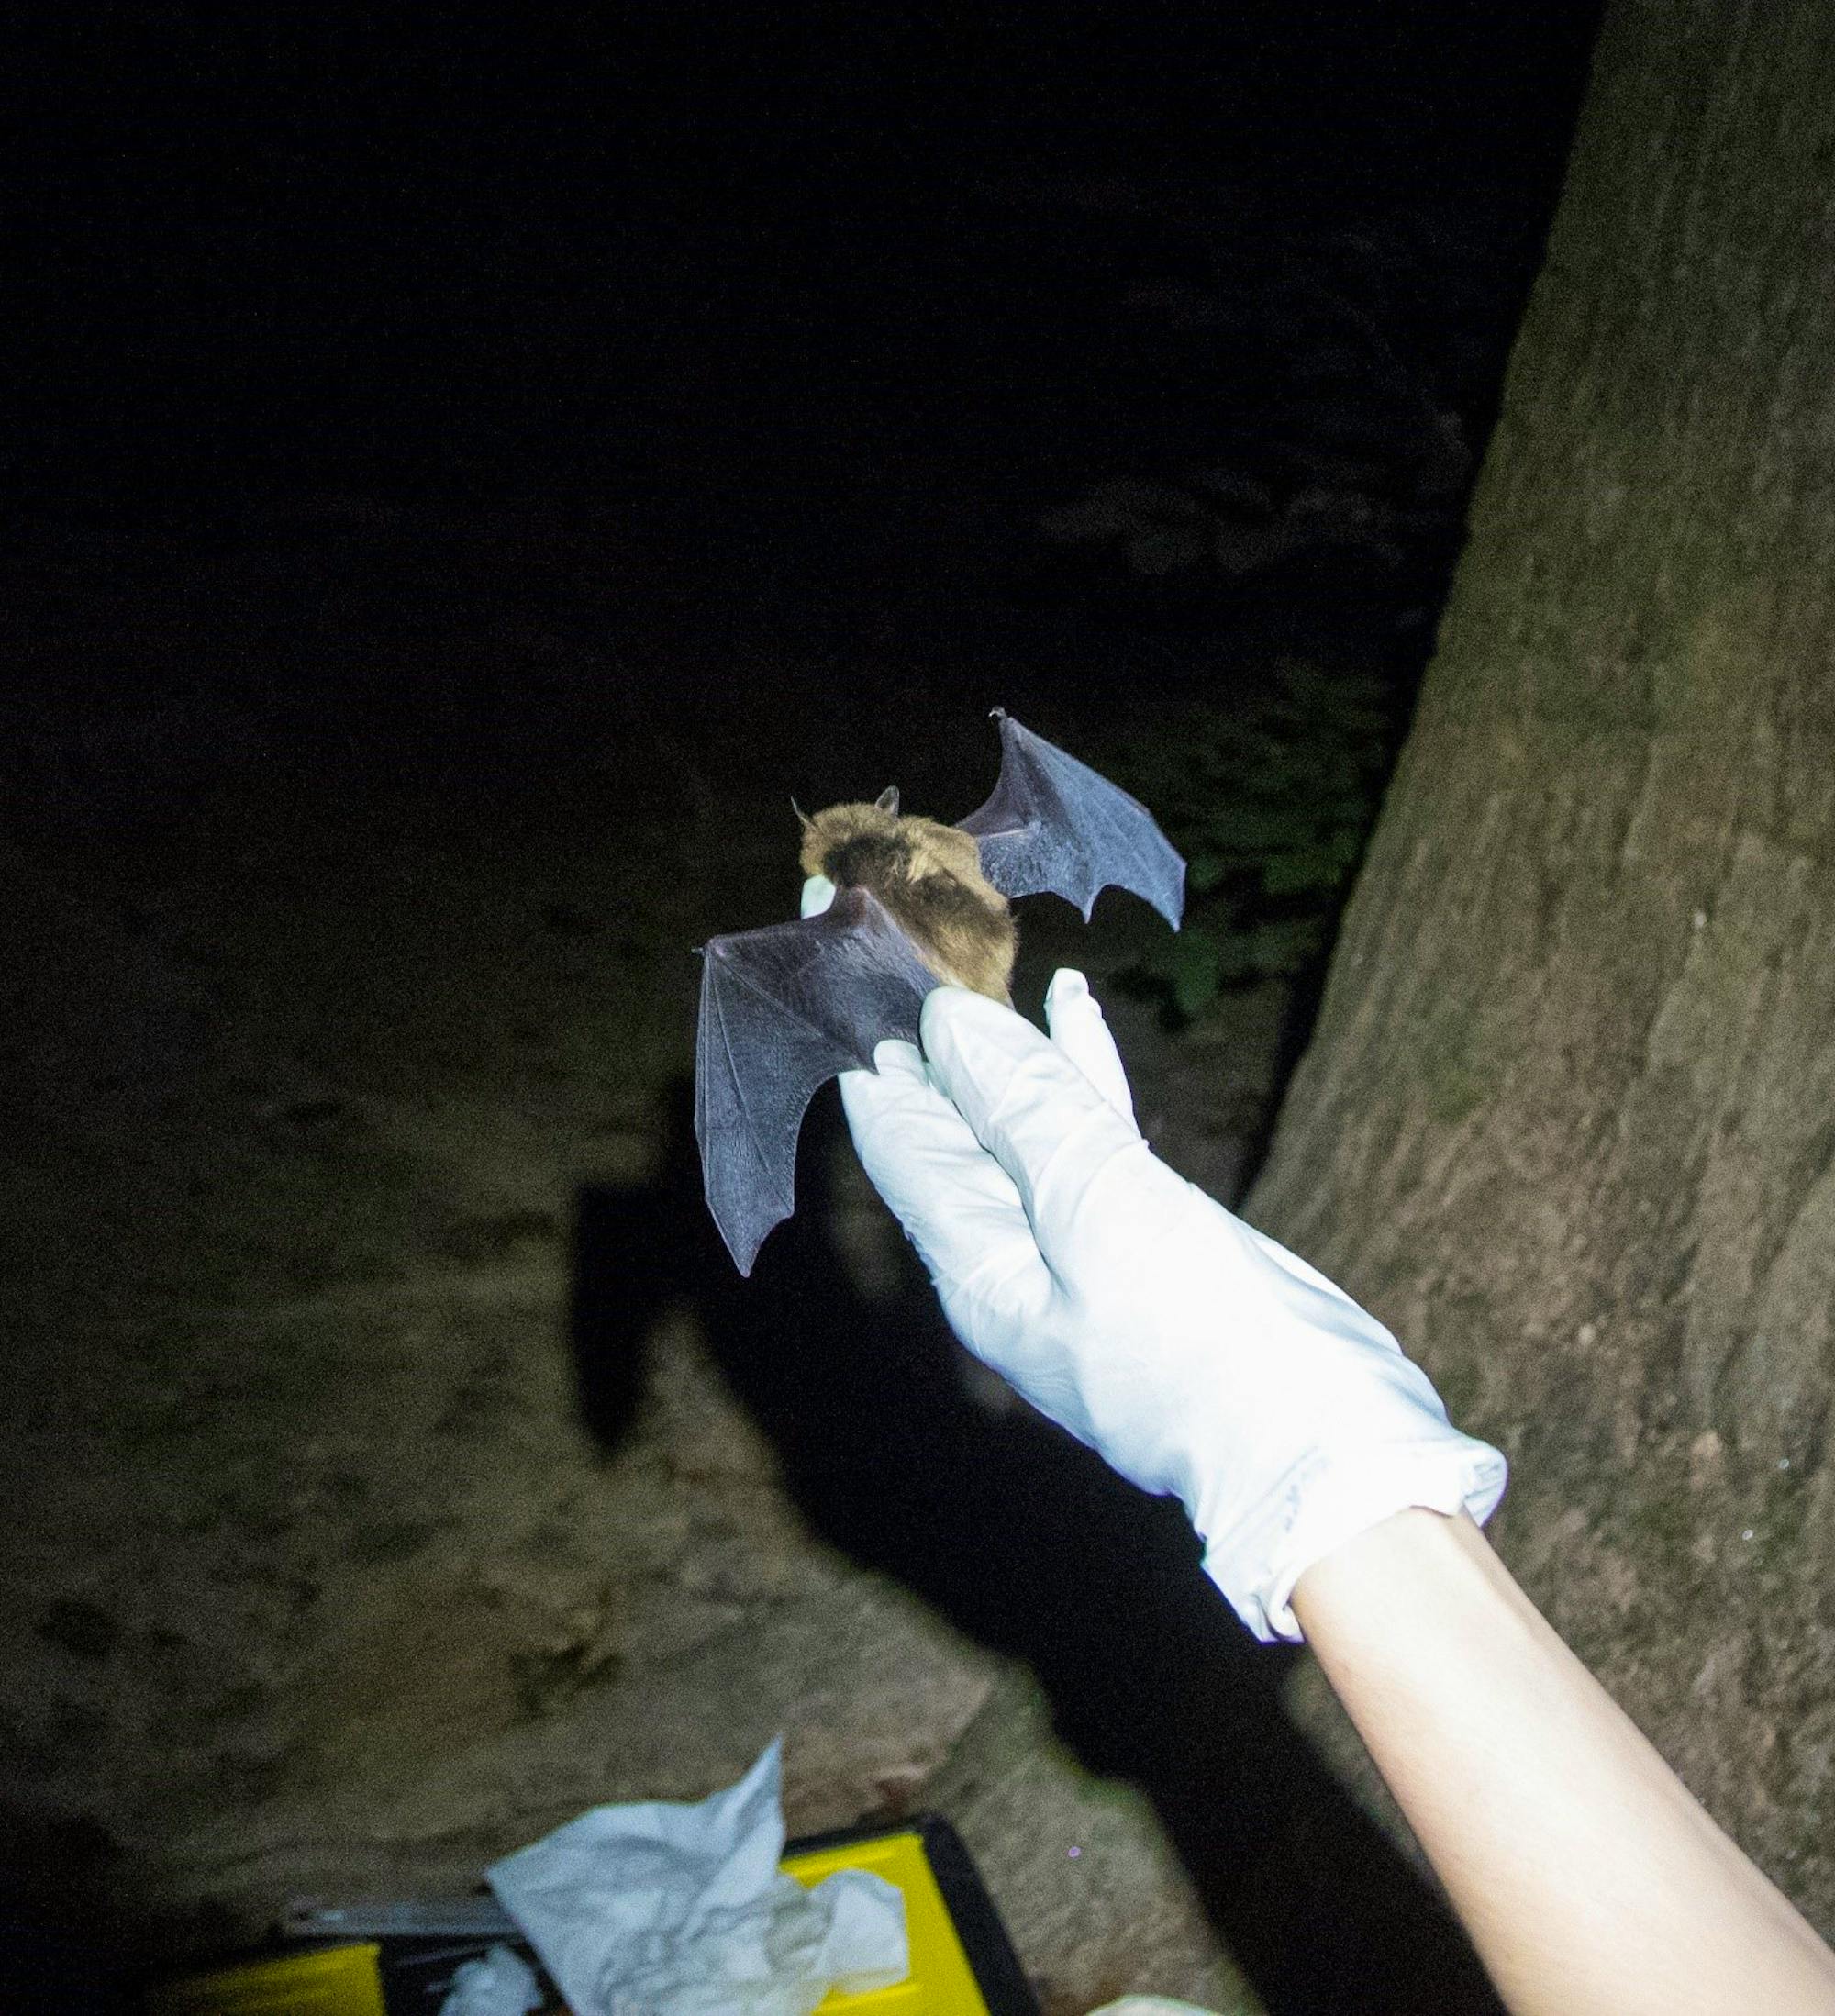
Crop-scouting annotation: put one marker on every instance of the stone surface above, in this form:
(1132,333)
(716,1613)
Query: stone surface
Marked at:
(343,1562)
(1097,1901)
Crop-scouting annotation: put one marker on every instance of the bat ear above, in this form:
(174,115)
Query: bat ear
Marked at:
(803,819)
(887,800)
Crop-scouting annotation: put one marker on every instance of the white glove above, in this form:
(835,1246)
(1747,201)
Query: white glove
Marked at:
(1194,1354)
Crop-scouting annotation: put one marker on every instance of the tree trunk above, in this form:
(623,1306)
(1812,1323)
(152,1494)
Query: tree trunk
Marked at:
(1568,1119)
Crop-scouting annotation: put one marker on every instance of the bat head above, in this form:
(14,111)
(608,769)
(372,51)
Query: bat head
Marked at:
(854,845)
(887,801)
(871,847)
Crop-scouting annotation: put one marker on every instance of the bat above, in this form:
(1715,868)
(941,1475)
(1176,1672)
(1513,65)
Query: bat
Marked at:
(917,904)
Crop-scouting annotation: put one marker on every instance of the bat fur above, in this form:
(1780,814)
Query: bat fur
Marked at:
(929,877)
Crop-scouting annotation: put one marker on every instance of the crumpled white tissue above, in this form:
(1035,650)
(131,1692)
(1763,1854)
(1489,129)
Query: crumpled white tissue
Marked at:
(501,1983)
(669,1910)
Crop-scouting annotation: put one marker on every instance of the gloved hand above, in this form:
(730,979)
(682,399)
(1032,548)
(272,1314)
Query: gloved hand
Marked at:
(1194,1354)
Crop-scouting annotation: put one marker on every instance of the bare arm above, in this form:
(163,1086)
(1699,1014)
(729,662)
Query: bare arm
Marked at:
(1590,1881)
(1194,1354)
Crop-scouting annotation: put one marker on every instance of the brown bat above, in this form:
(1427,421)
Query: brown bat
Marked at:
(928,877)
(916,903)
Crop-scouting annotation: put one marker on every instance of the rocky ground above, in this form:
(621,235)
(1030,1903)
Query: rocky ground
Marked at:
(435,543)
(397,1470)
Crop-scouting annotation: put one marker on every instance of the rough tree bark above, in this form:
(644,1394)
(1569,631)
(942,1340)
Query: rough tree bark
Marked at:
(1568,1117)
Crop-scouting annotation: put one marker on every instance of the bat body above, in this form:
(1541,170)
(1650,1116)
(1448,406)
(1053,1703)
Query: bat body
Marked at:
(917,902)
(927,876)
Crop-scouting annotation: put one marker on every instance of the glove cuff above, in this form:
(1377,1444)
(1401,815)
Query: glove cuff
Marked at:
(1312,1511)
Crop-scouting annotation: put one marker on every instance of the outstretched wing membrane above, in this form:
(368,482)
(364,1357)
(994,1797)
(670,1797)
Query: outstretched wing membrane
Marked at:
(1054,823)
(783,1011)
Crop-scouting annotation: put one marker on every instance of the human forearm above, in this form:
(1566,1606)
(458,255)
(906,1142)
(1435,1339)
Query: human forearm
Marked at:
(1590,1881)
(1201,1358)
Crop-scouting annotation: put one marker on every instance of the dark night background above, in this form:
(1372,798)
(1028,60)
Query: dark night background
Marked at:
(469,469)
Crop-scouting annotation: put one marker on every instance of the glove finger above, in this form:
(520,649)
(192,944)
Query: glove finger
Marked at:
(1033,1109)
(1075,1020)
(958,1206)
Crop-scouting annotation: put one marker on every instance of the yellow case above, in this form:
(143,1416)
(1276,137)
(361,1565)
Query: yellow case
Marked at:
(346,1980)
(334,1981)
(942,1982)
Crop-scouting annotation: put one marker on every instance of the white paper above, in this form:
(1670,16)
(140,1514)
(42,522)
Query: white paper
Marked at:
(670,1909)
(1151,2005)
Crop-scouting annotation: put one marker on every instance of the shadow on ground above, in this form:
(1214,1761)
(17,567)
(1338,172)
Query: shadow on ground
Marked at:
(1025,1540)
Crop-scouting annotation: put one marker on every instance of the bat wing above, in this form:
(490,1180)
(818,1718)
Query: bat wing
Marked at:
(783,1011)
(1054,823)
